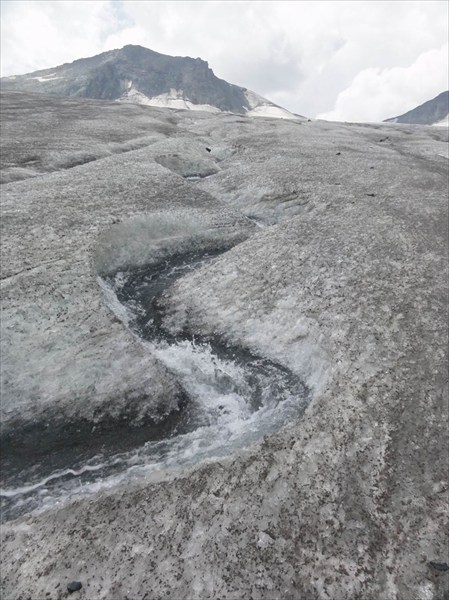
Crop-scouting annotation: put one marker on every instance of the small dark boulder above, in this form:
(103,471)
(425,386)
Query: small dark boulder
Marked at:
(439,566)
(209,149)
(372,195)
(338,153)
(74,586)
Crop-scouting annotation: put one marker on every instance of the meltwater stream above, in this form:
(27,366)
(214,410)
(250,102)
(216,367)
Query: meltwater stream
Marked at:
(231,399)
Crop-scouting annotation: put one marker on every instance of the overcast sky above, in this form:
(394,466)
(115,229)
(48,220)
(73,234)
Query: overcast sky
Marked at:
(348,60)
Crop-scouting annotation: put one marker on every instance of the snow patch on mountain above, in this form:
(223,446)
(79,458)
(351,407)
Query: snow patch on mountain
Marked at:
(443,123)
(46,78)
(172,99)
(275,112)
(176,99)
(261,107)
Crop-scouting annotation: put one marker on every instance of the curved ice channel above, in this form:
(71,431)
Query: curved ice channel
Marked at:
(234,398)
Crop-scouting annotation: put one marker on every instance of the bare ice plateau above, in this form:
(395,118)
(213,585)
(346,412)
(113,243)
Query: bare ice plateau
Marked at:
(332,266)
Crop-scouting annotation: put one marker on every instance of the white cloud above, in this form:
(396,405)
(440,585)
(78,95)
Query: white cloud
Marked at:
(37,35)
(376,94)
(303,55)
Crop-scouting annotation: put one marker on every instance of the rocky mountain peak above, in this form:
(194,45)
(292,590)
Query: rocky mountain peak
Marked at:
(140,75)
(432,112)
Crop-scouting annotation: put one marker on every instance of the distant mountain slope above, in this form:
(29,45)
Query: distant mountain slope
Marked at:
(432,112)
(142,76)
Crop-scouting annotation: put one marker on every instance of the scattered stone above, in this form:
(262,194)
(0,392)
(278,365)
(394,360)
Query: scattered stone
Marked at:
(439,566)
(338,153)
(372,195)
(208,149)
(74,586)
(384,139)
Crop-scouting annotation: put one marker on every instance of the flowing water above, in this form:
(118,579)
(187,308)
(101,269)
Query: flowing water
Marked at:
(231,398)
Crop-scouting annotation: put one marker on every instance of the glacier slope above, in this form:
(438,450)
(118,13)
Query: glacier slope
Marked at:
(344,284)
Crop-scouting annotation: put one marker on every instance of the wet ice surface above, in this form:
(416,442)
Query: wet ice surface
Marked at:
(350,292)
(232,399)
